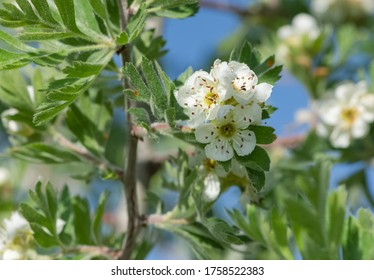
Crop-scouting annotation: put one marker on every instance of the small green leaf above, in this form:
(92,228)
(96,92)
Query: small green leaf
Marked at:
(142,92)
(264,134)
(67,12)
(122,39)
(98,216)
(43,153)
(137,23)
(259,157)
(81,69)
(257,178)
(99,8)
(82,221)
(140,116)
(15,43)
(43,10)
(271,76)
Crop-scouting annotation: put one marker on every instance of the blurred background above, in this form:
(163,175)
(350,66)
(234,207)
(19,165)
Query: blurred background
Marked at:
(218,27)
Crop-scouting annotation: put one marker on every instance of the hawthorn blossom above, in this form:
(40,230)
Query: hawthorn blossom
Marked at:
(201,95)
(212,187)
(241,82)
(15,237)
(300,34)
(339,11)
(229,132)
(346,116)
(303,25)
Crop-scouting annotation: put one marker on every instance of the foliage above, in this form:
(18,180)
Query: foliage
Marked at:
(64,94)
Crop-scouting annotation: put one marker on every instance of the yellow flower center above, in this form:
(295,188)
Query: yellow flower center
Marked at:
(211,97)
(227,130)
(349,115)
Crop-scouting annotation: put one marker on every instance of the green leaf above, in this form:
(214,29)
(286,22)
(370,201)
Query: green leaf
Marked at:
(47,35)
(337,202)
(81,69)
(51,200)
(258,158)
(67,12)
(49,110)
(257,178)
(264,134)
(100,9)
(43,10)
(27,9)
(140,117)
(42,238)
(265,65)
(137,23)
(271,76)
(122,39)
(181,11)
(43,153)
(15,43)
(158,100)
(98,216)
(82,221)
(167,4)
(142,92)
(31,215)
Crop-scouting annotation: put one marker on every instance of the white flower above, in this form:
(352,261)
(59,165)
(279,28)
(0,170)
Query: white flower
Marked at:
(241,82)
(338,11)
(10,254)
(302,26)
(348,115)
(4,176)
(201,95)
(16,226)
(212,187)
(13,126)
(229,132)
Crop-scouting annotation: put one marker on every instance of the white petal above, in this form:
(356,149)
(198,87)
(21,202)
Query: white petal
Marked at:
(330,113)
(60,225)
(219,149)
(185,97)
(222,72)
(340,138)
(11,255)
(304,23)
(197,117)
(359,129)
(205,133)
(223,111)
(262,92)
(244,143)
(247,115)
(344,92)
(212,187)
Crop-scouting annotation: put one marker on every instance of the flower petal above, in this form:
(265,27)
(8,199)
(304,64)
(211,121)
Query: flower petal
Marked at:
(212,187)
(219,149)
(360,129)
(247,115)
(340,138)
(244,142)
(262,92)
(205,133)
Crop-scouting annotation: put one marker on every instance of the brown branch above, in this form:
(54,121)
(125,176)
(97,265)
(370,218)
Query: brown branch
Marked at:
(287,142)
(129,179)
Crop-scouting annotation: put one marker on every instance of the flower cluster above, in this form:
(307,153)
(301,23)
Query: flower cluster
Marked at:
(221,106)
(340,11)
(15,238)
(302,32)
(347,115)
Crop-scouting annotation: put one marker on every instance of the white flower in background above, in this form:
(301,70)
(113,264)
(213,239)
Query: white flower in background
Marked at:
(302,26)
(339,11)
(212,187)
(4,176)
(16,227)
(348,115)
(301,33)
(31,92)
(15,236)
(201,95)
(13,126)
(229,132)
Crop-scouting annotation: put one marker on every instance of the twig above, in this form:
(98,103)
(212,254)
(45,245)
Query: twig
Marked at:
(84,153)
(157,219)
(129,179)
